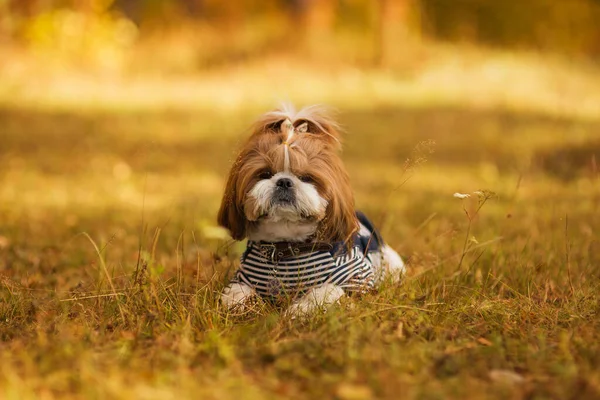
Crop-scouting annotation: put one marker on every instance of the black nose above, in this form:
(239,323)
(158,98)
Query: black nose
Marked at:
(285,183)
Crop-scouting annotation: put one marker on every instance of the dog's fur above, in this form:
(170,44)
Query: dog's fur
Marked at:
(288,184)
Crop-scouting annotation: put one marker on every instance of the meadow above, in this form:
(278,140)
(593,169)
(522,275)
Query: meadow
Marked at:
(111,261)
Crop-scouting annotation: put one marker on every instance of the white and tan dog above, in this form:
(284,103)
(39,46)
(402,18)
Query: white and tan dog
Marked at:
(288,193)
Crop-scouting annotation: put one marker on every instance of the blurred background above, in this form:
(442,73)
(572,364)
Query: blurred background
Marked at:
(121,114)
(121,119)
(227,54)
(213,33)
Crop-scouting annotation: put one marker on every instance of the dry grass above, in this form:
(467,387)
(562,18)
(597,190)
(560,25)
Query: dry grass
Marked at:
(502,304)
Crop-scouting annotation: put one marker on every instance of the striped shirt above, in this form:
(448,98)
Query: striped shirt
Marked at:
(352,271)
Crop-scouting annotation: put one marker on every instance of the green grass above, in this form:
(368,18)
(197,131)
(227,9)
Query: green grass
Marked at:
(139,318)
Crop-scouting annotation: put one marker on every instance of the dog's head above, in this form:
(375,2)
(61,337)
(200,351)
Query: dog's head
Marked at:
(288,183)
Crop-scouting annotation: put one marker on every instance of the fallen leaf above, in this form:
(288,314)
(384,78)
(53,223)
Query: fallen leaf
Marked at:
(506,377)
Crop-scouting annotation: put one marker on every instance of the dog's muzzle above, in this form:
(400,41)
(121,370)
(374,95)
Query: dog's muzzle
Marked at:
(284,192)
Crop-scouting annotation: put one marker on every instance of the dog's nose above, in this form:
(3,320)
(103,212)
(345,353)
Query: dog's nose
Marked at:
(285,183)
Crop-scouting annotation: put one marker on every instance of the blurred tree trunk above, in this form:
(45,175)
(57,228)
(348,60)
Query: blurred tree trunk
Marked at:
(194,8)
(313,14)
(314,19)
(140,11)
(25,8)
(132,9)
(393,30)
(320,16)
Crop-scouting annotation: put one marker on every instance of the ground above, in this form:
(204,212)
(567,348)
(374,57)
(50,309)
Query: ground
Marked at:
(111,261)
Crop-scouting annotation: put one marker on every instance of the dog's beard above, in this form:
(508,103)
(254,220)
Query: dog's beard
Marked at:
(282,213)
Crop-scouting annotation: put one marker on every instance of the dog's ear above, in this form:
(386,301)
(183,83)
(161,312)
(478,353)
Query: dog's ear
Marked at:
(231,214)
(340,221)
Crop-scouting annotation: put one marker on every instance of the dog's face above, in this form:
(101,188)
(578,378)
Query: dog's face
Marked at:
(288,182)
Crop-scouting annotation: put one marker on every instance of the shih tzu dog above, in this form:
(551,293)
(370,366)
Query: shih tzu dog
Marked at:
(288,193)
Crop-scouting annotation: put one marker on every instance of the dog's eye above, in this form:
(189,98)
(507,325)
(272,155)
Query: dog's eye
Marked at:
(265,175)
(306,178)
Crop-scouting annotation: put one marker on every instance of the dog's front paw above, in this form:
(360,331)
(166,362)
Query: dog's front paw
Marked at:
(316,298)
(237,295)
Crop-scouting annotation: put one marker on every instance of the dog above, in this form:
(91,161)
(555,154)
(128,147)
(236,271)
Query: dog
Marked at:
(289,195)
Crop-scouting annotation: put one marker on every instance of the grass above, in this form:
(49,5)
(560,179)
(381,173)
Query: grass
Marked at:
(110,261)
